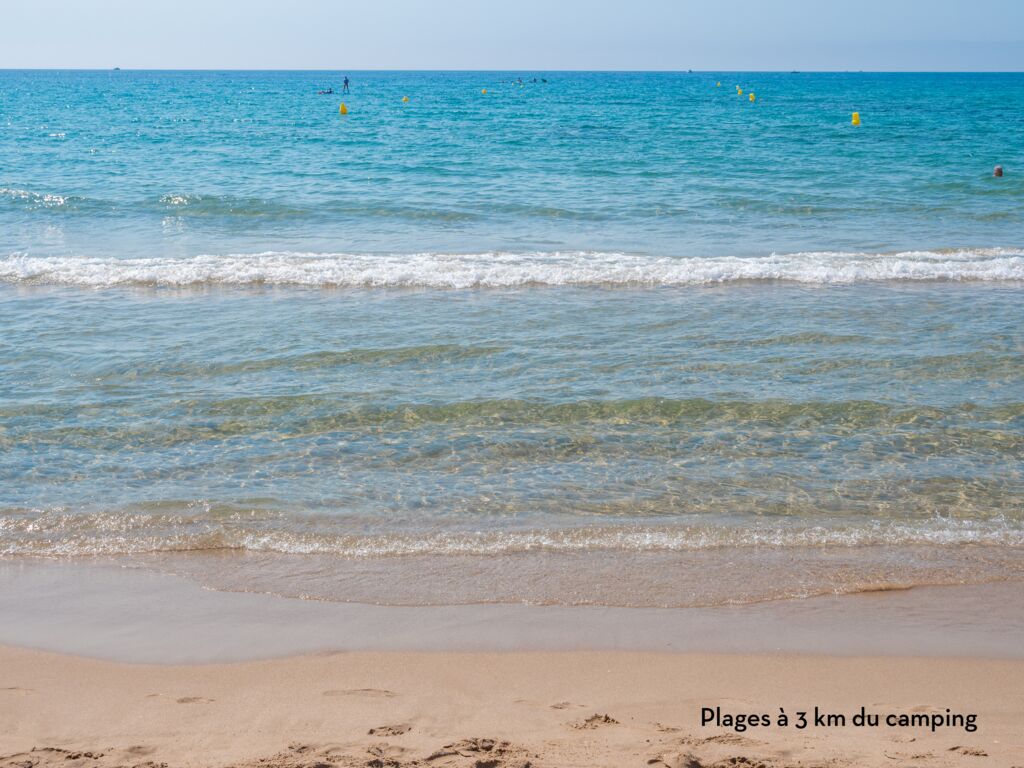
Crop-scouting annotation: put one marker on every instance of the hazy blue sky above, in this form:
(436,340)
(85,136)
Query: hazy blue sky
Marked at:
(519,34)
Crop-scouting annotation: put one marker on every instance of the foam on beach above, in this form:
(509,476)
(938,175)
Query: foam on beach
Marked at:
(510,270)
(56,532)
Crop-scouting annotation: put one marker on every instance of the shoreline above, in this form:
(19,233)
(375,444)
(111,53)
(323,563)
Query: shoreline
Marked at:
(618,577)
(135,615)
(105,666)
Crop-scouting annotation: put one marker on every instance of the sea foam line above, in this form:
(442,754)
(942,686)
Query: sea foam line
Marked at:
(507,270)
(59,533)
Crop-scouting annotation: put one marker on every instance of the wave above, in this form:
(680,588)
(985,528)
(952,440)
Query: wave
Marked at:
(510,270)
(29,200)
(220,205)
(309,361)
(200,206)
(58,532)
(306,415)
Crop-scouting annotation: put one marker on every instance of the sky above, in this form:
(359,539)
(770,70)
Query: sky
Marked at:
(930,35)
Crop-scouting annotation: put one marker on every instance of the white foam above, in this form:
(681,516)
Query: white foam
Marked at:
(506,270)
(57,532)
(937,532)
(35,198)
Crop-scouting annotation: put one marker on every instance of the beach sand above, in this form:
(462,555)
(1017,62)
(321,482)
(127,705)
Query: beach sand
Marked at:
(149,669)
(505,709)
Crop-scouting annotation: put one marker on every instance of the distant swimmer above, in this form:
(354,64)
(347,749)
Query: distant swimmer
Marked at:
(344,86)
(997,171)
(324,93)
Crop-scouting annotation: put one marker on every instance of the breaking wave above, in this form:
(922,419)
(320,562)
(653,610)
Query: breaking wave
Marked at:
(508,270)
(56,532)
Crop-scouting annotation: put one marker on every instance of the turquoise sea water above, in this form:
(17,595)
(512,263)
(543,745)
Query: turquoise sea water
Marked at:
(621,338)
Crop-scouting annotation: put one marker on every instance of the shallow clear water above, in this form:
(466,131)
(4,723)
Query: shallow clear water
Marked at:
(625,339)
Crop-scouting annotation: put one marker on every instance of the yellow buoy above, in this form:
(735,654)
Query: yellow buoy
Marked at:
(718,84)
(343,110)
(856,118)
(739,91)
(483,90)
(405,99)
(752,96)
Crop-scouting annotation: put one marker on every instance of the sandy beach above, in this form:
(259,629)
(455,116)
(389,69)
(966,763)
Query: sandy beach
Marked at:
(149,669)
(510,709)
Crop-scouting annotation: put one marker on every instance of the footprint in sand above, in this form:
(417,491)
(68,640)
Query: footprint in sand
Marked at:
(566,705)
(675,761)
(390,730)
(910,756)
(733,739)
(728,739)
(299,755)
(744,762)
(666,728)
(485,753)
(194,700)
(594,721)
(384,755)
(373,692)
(971,751)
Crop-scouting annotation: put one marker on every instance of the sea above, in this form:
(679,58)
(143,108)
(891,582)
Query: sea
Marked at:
(563,338)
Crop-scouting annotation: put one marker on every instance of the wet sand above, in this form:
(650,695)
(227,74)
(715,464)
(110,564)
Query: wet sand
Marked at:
(106,611)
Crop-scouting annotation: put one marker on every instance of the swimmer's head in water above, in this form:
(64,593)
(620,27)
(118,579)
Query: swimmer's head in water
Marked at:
(998,171)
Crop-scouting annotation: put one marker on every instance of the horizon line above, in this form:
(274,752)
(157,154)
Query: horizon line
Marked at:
(516,70)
